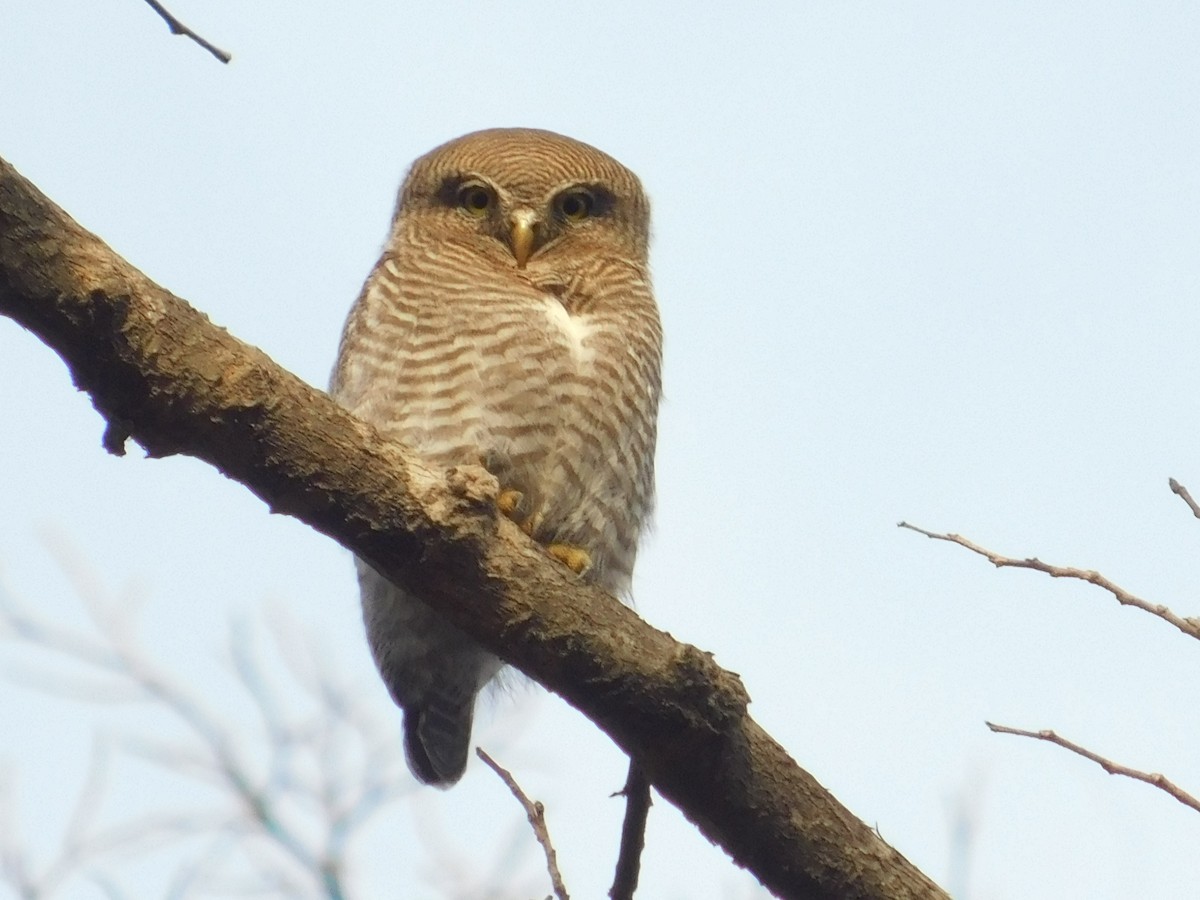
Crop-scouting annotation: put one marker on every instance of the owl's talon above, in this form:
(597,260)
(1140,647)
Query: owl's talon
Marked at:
(508,501)
(576,559)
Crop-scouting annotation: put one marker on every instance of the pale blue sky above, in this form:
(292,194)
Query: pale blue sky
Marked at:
(926,261)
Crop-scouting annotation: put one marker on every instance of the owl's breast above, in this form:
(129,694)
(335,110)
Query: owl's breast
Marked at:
(491,375)
(572,331)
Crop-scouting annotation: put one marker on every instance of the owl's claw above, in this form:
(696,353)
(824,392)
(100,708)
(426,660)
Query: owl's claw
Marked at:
(508,501)
(574,558)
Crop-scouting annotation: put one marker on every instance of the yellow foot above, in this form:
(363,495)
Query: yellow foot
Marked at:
(508,501)
(574,558)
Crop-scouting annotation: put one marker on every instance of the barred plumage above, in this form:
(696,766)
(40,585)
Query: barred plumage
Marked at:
(509,322)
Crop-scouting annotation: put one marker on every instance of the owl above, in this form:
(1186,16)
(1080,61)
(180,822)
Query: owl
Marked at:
(508,323)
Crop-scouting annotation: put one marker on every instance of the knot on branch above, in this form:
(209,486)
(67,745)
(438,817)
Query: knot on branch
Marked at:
(460,502)
(474,485)
(720,694)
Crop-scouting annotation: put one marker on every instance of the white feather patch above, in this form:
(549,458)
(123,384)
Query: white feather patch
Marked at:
(576,329)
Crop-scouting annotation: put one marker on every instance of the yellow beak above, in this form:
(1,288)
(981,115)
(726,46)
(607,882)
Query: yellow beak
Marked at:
(523,222)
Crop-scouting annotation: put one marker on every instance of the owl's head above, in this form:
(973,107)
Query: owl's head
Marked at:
(525,197)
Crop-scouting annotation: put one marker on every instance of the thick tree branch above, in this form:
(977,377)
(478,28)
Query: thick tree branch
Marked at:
(160,372)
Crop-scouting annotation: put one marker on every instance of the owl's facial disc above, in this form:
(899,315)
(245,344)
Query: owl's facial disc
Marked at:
(523,223)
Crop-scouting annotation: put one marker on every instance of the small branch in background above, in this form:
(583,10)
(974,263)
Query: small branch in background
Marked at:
(537,818)
(178,27)
(633,833)
(14,857)
(964,814)
(1189,626)
(291,794)
(1112,768)
(1177,488)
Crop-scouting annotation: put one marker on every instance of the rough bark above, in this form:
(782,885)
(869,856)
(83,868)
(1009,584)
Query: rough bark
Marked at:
(161,373)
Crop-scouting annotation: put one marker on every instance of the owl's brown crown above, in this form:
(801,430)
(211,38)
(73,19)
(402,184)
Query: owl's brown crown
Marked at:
(529,162)
(526,189)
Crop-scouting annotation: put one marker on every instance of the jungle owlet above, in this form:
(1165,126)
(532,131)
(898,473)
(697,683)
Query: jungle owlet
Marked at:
(509,322)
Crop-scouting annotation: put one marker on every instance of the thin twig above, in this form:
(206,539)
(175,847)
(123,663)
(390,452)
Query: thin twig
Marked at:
(1189,626)
(1112,768)
(537,818)
(1177,488)
(633,833)
(178,27)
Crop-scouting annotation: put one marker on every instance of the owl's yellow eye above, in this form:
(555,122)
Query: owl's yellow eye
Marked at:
(475,199)
(576,205)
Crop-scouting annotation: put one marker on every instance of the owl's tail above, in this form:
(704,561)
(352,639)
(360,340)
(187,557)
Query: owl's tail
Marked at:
(437,736)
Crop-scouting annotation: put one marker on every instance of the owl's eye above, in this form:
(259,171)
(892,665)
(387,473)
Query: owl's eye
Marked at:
(576,205)
(475,199)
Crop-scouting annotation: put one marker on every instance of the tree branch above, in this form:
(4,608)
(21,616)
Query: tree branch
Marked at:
(179,28)
(160,372)
(1182,492)
(536,813)
(1189,626)
(633,834)
(1112,768)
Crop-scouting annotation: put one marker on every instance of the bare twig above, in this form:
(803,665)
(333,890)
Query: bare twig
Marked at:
(633,833)
(1189,626)
(537,818)
(1177,488)
(178,27)
(1112,768)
